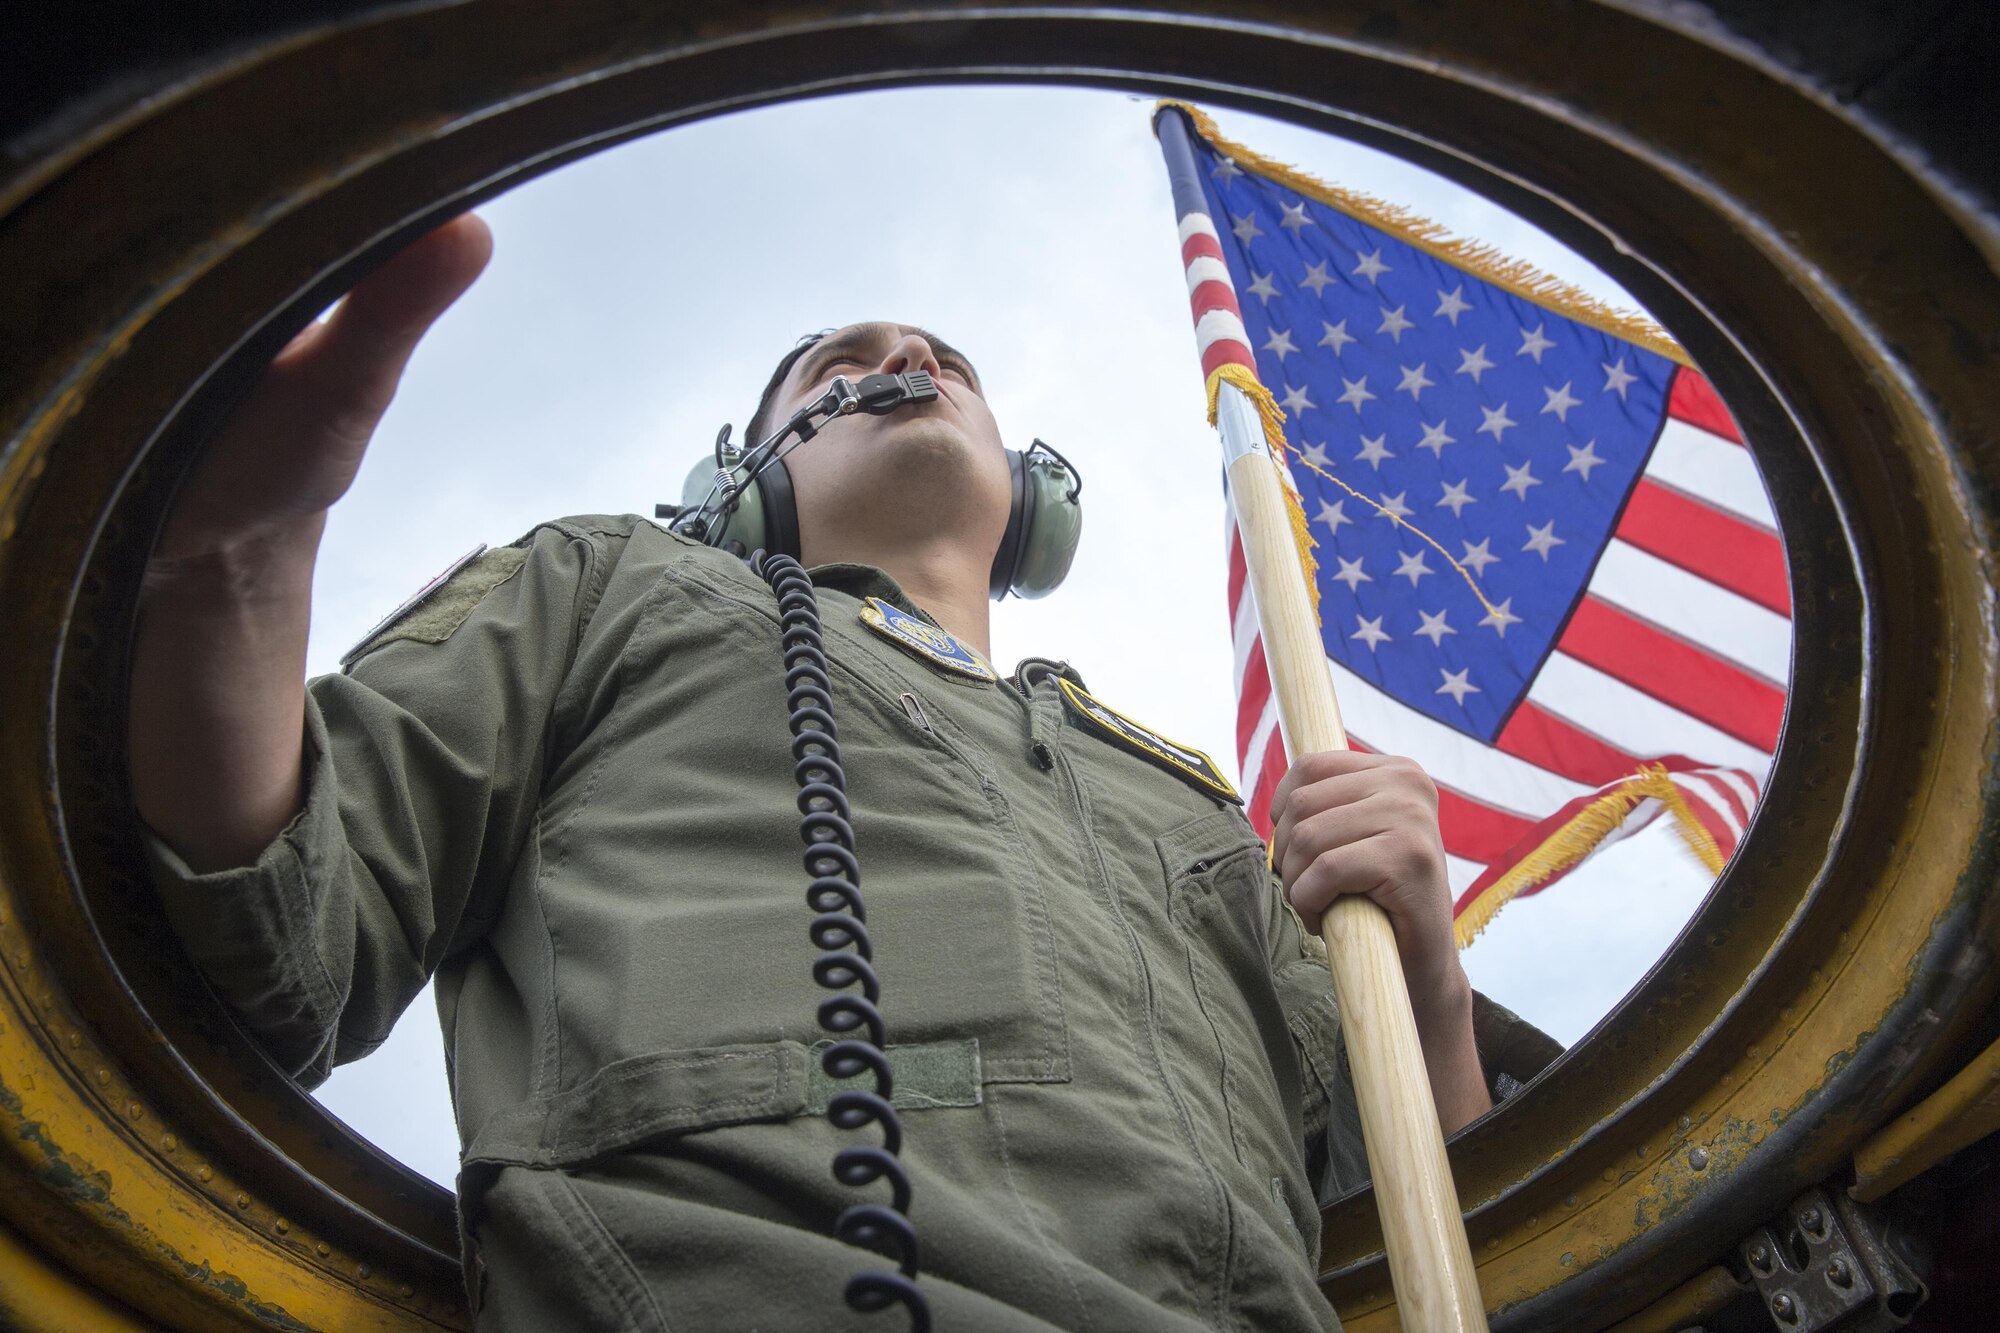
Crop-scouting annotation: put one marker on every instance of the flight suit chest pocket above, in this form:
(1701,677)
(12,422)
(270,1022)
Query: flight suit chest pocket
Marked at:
(1220,899)
(957,904)
(1219,883)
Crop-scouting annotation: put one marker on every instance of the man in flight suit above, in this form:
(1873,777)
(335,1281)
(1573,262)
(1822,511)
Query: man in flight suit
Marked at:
(562,784)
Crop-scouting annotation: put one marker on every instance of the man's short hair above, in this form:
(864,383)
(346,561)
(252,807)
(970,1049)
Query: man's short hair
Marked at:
(754,433)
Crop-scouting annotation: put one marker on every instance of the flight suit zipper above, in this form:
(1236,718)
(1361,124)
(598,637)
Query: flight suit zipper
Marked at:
(1046,735)
(1044,708)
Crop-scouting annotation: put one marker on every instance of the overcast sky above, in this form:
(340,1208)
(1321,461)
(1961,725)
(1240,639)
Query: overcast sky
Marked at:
(638,299)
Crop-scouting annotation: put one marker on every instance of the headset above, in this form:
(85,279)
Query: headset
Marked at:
(742,501)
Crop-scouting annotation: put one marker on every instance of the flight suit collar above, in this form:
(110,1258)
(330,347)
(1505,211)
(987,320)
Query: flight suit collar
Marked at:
(864,581)
(884,604)
(1034,669)
(861,582)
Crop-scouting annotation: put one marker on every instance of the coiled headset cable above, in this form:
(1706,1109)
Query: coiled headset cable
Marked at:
(840,931)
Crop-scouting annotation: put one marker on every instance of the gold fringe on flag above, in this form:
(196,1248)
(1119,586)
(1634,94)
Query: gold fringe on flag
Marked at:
(1580,837)
(1482,261)
(1273,418)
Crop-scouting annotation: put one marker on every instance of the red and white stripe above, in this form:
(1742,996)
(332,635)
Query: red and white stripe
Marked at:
(1678,654)
(1218,321)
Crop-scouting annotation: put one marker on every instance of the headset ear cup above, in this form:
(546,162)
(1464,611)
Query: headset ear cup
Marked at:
(763,516)
(772,494)
(1007,560)
(1052,524)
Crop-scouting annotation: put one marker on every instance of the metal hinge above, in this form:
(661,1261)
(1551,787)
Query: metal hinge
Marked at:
(1831,1263)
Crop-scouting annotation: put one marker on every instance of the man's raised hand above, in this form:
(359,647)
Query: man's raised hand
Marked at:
(217,701)
(293,446)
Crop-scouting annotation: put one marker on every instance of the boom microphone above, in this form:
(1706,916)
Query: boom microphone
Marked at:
(882,394)
(877,395)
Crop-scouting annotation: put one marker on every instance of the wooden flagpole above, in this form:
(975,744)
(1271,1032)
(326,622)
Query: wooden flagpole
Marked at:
(1430,1260)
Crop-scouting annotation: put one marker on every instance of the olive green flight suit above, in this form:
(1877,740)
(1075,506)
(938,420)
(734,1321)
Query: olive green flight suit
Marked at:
(563,785)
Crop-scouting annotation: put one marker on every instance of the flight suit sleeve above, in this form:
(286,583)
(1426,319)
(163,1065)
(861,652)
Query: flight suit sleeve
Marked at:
(424,765)
(1511,1051)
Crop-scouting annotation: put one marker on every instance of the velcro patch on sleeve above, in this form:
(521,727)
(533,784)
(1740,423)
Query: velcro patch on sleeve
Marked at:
(1190,765)
(929,1074)
(442,605)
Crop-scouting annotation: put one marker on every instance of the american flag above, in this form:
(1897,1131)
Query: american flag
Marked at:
(1547,567)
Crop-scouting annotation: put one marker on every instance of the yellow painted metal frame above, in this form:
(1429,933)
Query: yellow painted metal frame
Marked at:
(162,243)
(1962,1112)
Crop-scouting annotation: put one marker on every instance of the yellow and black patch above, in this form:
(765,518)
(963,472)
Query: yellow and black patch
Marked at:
(924,640)
(1123,732)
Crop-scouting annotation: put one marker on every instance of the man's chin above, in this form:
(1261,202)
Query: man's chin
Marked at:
(930,444)
(924,430)
(918,449)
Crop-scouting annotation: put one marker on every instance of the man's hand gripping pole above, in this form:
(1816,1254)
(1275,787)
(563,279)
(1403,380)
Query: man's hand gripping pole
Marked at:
(1430,1260)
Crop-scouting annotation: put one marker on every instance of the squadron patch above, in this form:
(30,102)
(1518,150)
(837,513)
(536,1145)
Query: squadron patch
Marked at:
(920,638)
(1123,732)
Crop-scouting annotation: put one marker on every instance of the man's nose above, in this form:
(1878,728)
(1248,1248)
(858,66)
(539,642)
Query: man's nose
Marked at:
(910,352)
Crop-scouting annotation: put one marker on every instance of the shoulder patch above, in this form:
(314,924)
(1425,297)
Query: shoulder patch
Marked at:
(1190,765)
(924,640)
(442,605)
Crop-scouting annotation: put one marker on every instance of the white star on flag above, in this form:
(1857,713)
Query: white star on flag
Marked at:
(1616,377)
(1519,479)
(1281,342)
(1456,684)
(1357,392)
(1316,454)
(1337,335)
(1501,616)
(1411,565)
(1295,217)
(1473,363)
(1456,497)
(1478,557)
(1370,633)
(1331,516)
(1296,400)
(1415,381)
(1394,324)
(1374,450)
(1246,228)
(1435,438)
(1226,169)
(1394,508)
(1452,306)
(1261,285)
(1434,628)
(1496,421)
(1351,573)
(1534,344)
(1371,267)
(1582,460)
(1542,540)
(1319,280)
(1560,403)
